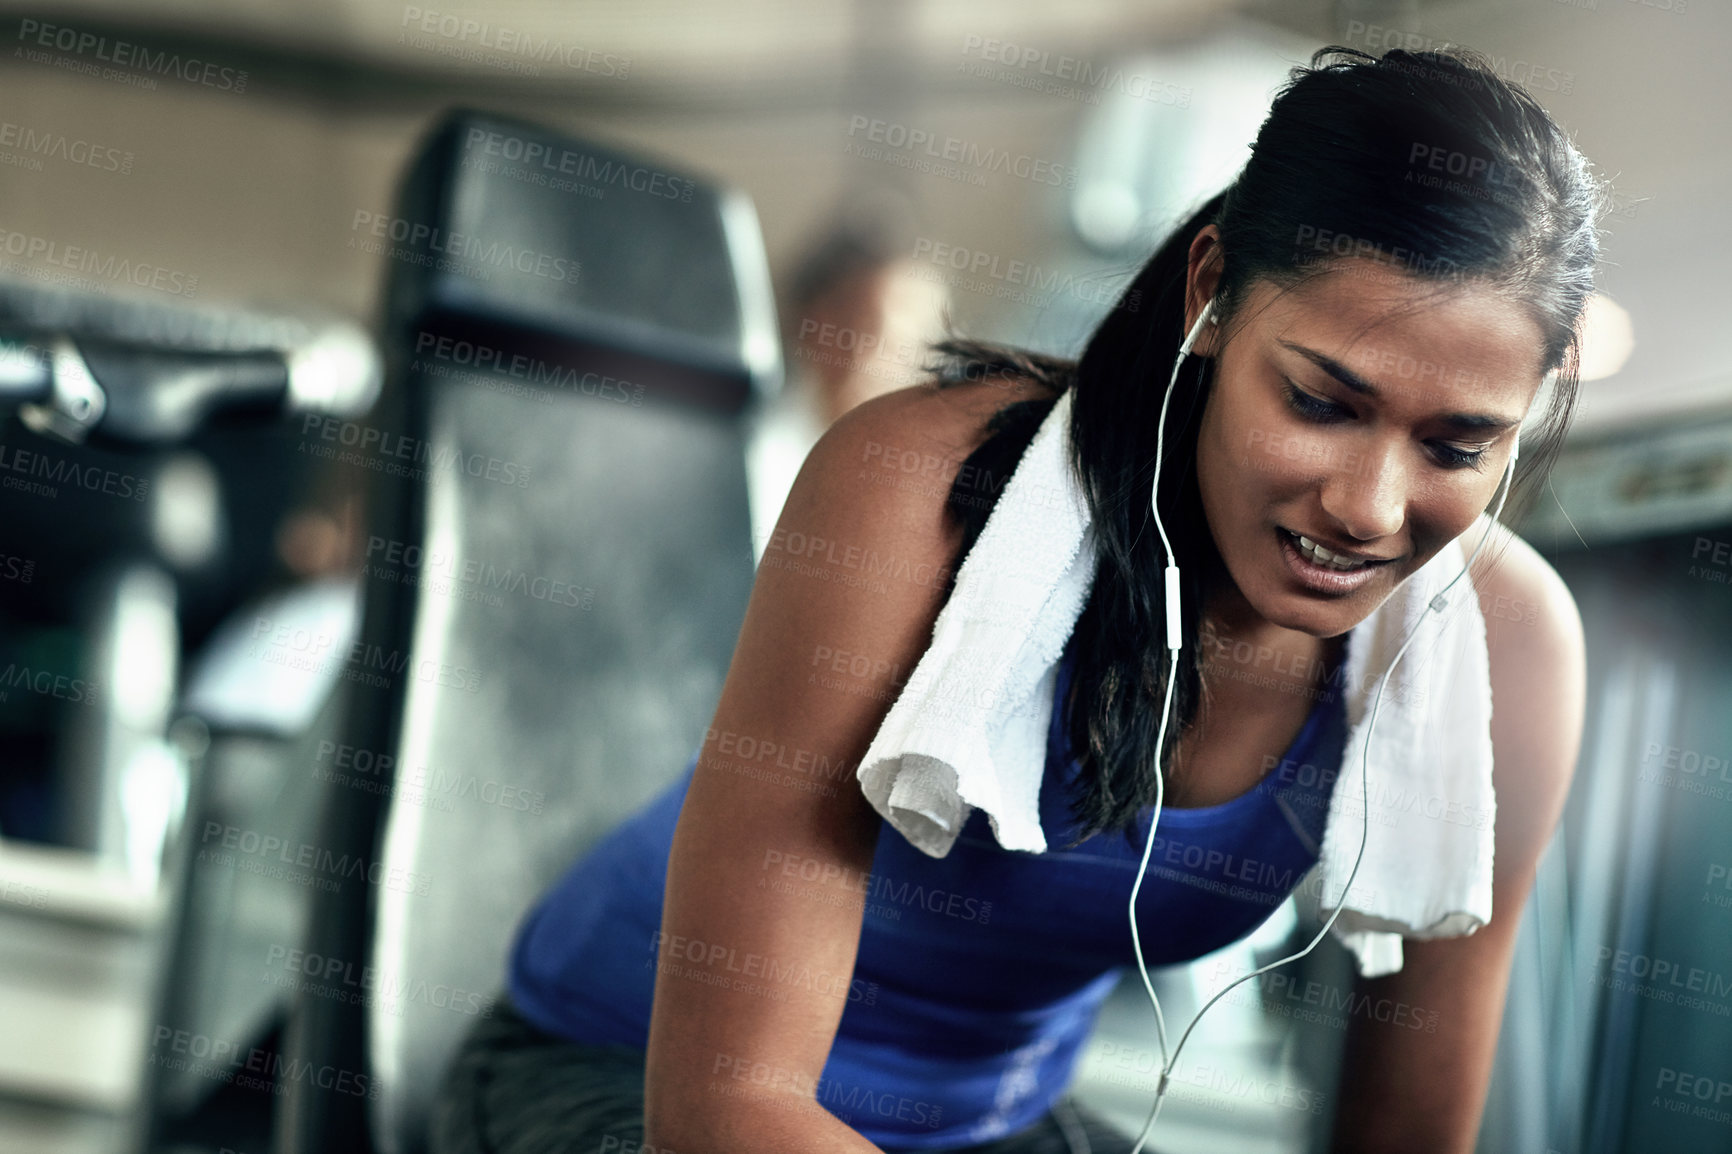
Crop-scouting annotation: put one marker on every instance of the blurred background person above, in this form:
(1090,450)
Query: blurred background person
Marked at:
(857,320)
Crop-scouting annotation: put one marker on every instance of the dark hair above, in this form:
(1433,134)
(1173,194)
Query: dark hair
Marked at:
(1344,153)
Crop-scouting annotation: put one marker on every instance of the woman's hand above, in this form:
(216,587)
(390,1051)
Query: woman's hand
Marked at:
(1415,1091)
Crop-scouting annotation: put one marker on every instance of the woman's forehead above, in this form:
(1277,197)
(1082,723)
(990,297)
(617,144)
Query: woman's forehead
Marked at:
(1406,337)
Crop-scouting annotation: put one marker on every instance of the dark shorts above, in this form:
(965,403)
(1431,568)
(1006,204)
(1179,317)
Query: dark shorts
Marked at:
(512,1088)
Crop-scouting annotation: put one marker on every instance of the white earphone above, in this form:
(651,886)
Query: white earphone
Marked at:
(1175,641)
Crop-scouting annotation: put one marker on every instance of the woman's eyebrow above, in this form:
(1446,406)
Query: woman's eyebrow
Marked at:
(1468,422)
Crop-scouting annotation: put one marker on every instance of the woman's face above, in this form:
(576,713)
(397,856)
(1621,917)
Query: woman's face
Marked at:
(1378,435)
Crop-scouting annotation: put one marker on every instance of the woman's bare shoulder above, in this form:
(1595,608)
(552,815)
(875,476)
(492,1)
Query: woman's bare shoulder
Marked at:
(1531,617)
(949,420)
(865,546)
(1536,650)
(901,451)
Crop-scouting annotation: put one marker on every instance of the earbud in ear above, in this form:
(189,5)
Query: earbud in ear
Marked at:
(1207,316)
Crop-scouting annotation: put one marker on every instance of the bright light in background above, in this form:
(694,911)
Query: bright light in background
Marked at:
(185,518)
(153,790)
(145,649)
(1607,337)
(1177,133)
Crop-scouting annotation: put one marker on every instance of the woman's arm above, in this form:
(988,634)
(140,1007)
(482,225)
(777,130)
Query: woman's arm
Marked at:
(1410,1090)
(764,900)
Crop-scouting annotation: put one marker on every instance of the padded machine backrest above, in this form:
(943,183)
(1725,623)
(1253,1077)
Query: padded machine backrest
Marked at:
(559,557)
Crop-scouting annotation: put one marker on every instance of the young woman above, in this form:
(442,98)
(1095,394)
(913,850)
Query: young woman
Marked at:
(758,963)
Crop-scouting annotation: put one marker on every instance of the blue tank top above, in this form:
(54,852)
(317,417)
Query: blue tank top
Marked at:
(979,974)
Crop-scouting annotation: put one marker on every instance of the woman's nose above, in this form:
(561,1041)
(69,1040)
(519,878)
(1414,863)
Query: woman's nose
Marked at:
(1366,495)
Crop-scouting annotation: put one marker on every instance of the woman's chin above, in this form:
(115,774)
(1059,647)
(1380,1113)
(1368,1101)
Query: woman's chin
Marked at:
(1304,614)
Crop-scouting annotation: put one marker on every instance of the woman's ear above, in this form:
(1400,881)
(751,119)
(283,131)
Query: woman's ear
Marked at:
(1202,277)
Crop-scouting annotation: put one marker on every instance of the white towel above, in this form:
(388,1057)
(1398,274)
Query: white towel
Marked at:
(969,728)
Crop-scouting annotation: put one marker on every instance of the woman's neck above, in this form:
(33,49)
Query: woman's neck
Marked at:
(1243,651)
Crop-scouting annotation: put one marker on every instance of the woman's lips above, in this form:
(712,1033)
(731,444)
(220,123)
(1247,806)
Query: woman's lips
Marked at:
(1320,578)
